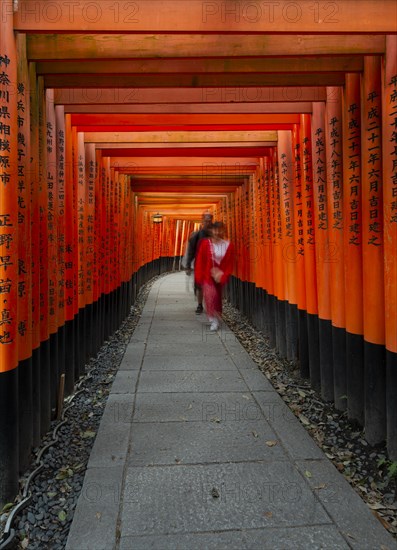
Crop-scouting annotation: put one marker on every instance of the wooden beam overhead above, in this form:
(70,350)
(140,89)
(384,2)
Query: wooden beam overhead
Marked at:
(306,64)
(195,81)
(45,47)
(203,162)
(179,137)
(108,149)
(214,151)
(182,120)
(215,16)
(195,108)
(185,96)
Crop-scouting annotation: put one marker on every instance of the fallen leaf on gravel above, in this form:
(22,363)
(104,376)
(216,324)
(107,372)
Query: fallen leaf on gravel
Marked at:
(98,515)
(350,536)
(321,486)
(6,507)
(88,434)
(215,493)
(268,514)
(254,434)
(308,474)
(271,443)
(377,506)
(62,515)
(246,397)
(385,523)
(190,407)
(304,420)
(25,543)
(215,419)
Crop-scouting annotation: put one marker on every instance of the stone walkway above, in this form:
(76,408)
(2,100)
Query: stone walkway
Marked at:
(196,450)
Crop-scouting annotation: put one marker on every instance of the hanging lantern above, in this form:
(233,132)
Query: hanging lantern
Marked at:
(157,218)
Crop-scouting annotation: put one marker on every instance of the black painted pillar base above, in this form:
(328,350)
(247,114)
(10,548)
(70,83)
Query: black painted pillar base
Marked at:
(281,336)
(61,349)
(355,377)
(391,403)
(374,393)
(89,333)
(69,357)
(339,363)
(9,451)
(54,376)
(271,303)
(25,400)
(45,386)
(77,338)
(82,320)
(292,331)
(36,397)
(314,351)
(326,359)
(303,347)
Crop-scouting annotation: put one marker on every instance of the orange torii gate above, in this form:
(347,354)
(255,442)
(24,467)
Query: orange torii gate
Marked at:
(108,116)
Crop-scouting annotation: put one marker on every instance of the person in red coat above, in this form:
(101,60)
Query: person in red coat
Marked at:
(213,267)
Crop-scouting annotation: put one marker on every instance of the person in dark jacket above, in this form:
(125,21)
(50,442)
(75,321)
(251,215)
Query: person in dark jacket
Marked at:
(192,250)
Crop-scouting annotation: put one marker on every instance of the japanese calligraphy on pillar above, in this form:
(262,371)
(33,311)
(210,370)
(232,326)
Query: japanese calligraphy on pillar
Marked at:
(319,171)
(90,154)
(335,170)
(8,205)
(60,136)
(300,239)
(81,202)
(374,167)
(52,213)
(353,173)
(392,117)
(308,190)
(24,204)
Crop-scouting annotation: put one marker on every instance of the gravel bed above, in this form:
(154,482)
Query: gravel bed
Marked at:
(365,467)
(46,521)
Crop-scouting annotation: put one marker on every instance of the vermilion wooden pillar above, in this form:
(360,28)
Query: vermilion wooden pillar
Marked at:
(8,261)
(352,200)
(69,255)
(299,239)
(66,345)
(25,379)
(321,225)
(279,264)
(286,175)
(268,255)
(45,347)
(372,247)
(90,174)
(389,166)
(335,252)
(310,252)
(52,235)
(39,353)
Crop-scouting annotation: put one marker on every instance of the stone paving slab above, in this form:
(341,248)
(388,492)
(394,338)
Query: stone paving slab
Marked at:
(191,381)
(345,507)
(295,438)
(202,442)
(196,407)
(189,349)
(179,499)
(180,362)
(324,537)
(95,518)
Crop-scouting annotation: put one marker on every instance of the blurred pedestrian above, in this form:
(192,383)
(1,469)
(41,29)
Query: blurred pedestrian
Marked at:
(192,250)
(213,267)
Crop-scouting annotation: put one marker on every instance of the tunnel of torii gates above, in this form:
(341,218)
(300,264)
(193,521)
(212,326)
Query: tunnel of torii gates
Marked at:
(112,112)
